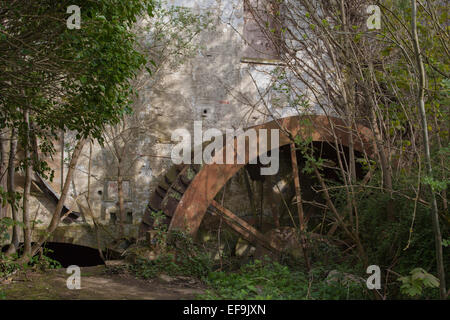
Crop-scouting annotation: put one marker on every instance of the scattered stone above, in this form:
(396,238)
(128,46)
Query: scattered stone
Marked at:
(244,248)
(286,238)
(141,252)
(218,252)
(165,278)
(7,280)
(115,263)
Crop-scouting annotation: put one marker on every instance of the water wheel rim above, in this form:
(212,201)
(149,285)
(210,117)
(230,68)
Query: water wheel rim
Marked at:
(211,178)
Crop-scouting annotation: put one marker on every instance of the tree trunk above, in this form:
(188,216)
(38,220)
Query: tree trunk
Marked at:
(298,198)
(27,187)
(3,172)
(11,190)
(384,162)
(62,161)
(57,212)
(423,116)
(121,199)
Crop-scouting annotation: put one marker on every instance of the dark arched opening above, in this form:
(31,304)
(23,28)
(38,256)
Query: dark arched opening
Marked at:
(70,254)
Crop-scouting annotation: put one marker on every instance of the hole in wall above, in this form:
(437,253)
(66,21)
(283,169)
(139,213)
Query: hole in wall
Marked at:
(129,217)
(112,218)
(70,254)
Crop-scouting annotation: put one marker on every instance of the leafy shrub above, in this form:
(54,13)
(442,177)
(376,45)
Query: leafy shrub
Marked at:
(177,256)
(43,262)
(40,261)
(418,279)
(5,224)
(402,244)
(195,265)
(7,265)
(271,280)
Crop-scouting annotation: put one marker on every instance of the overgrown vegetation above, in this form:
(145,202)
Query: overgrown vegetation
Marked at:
(393,80)
(386,204)
(272,280)
(65,80)
(175,256)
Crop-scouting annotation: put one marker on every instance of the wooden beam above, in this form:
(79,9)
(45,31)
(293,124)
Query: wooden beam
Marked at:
(248,232)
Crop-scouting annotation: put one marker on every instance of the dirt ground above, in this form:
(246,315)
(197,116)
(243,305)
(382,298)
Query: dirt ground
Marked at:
(96,284)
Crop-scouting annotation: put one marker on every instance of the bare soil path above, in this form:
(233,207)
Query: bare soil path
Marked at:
(96,284)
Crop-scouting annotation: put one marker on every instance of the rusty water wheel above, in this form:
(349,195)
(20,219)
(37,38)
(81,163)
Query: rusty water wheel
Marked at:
(167,194)
(186,191)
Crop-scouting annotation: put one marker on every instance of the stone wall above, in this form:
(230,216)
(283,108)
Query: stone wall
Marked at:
(213,86)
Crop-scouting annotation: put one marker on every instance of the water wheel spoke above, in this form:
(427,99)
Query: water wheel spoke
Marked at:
(247,231)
